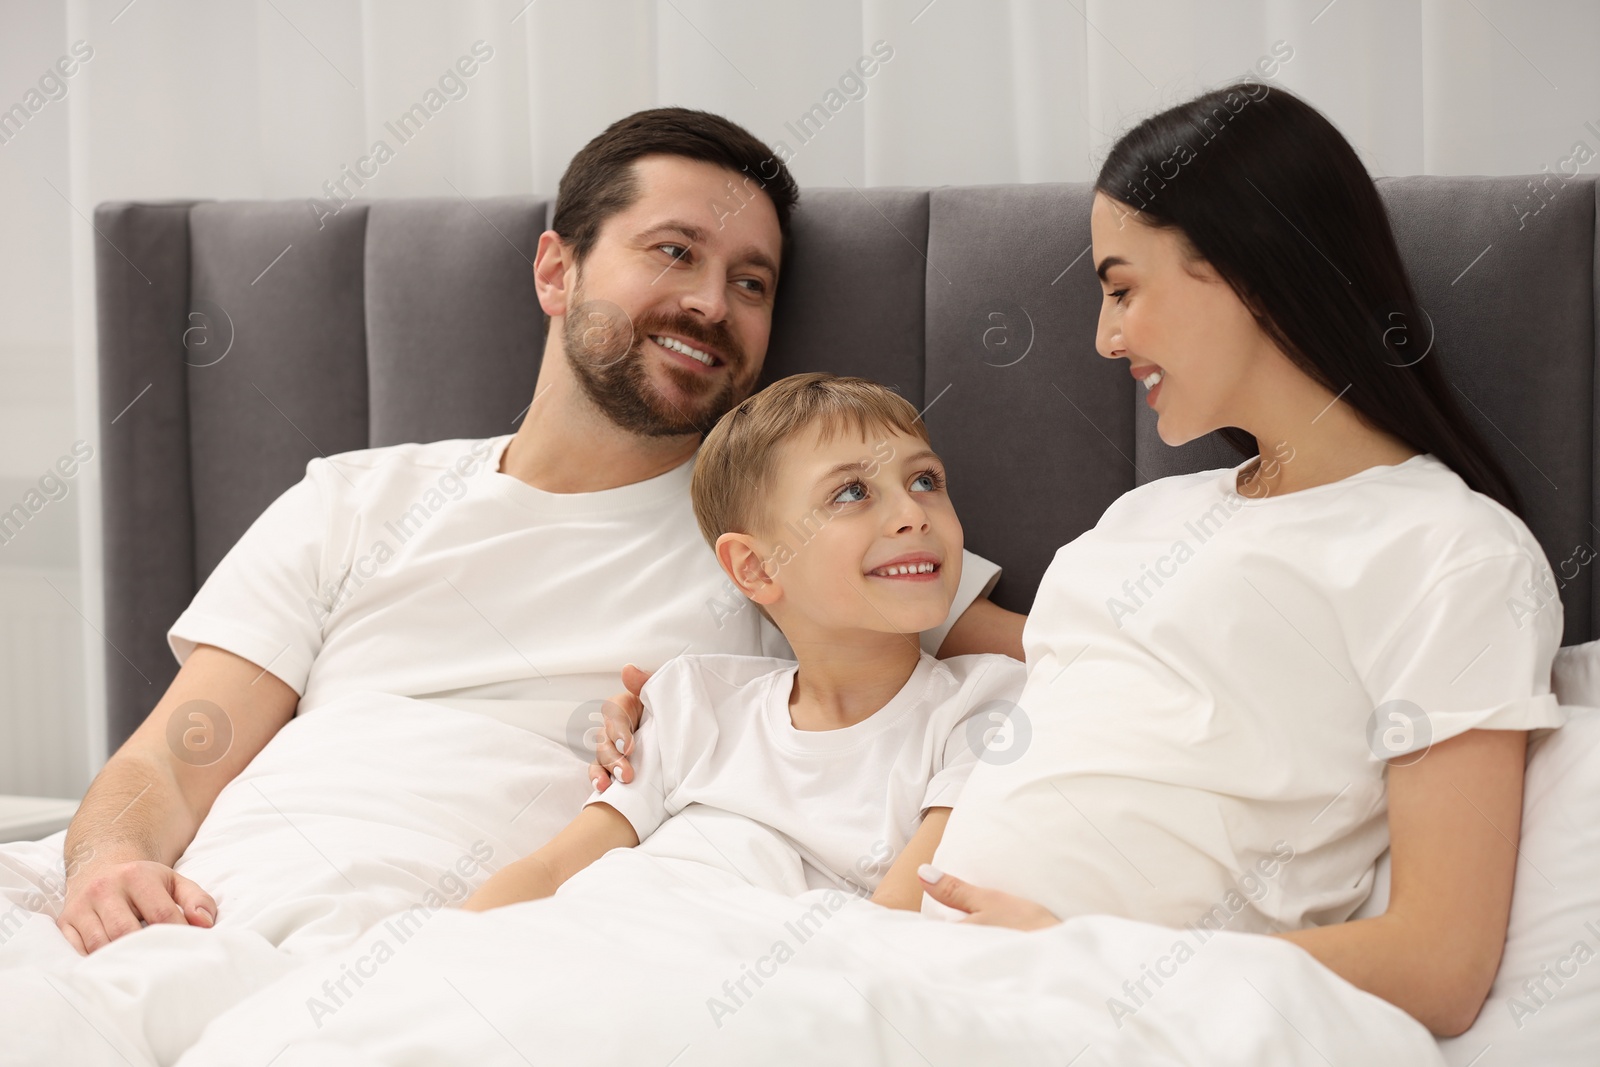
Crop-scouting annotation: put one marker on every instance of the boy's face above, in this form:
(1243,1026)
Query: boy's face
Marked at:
(860,535)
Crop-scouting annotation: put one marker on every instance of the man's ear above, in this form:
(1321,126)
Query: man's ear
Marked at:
(742,561)
(551,263)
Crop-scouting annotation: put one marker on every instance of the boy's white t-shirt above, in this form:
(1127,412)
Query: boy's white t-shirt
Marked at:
(1215,683)
(420,570)
(717,732)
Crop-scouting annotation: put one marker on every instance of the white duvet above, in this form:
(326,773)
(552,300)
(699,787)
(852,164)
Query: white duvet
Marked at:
(697,948)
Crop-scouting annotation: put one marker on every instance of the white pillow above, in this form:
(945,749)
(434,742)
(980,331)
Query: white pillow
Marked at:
(1544,1008)
(1575,676)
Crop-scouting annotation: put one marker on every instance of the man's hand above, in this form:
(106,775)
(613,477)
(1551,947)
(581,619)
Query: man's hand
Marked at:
(621,714)
(107,900)
(986,907)
(143,808)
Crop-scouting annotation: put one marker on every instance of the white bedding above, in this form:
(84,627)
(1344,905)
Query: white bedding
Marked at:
(632,962)
(376,804)
(352,812)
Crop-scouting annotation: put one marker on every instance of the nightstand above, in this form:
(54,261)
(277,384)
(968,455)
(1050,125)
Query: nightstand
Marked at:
(30,818)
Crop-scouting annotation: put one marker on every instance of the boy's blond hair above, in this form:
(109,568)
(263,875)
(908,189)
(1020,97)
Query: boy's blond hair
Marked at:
(735,464)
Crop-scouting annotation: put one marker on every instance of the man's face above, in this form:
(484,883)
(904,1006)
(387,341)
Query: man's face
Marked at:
(672,307)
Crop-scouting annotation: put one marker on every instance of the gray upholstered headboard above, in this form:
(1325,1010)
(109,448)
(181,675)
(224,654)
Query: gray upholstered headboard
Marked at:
(266,337)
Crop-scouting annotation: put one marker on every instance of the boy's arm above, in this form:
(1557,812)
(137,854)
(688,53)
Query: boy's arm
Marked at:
(598,829)
(900,887)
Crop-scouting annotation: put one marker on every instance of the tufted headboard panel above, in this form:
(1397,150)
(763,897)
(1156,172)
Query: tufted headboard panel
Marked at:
(267,336)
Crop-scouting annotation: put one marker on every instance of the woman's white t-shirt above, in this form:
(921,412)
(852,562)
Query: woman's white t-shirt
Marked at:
(717,732)
(1215,683)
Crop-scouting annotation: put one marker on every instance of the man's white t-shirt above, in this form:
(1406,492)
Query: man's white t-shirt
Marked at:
(1215,683)
(421,571)
(717,732)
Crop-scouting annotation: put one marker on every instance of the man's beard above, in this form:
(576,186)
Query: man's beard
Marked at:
(606,352)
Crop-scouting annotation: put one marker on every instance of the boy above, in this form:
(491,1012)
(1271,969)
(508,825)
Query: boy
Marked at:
(825,506)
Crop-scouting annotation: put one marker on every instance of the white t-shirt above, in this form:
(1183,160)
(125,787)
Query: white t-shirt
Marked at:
(420,570)
(1205,671)
(717,732)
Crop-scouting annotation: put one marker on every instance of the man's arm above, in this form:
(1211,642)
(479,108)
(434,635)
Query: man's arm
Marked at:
(143,808)
(598,829)
(900,887)
(985,627)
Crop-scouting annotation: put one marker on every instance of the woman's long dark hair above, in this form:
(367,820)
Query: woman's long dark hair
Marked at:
(1272,196)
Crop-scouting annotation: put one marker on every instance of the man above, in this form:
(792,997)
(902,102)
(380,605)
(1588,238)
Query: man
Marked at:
(659,277)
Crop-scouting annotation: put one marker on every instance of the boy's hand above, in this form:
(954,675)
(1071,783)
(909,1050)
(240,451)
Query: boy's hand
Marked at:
(621,714)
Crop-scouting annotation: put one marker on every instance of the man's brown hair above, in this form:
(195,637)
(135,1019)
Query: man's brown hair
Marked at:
(600,180)
(735,464)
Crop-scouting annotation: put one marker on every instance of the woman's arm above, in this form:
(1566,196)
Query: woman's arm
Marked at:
(900,888)
(1454,819)
(598,829)
(985,627)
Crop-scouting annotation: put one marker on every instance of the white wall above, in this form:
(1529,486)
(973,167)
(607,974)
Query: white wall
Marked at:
(270,98)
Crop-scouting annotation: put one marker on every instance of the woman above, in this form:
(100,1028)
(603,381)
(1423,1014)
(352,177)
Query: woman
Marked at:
(1234,678)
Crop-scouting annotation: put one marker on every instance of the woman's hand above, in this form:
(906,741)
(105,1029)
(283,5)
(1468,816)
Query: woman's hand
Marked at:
(621,714)
(986,907)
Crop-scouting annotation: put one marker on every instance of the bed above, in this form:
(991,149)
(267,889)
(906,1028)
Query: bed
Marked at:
(979,305)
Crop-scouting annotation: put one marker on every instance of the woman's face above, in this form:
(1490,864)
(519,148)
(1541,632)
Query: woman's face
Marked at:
(1166,313)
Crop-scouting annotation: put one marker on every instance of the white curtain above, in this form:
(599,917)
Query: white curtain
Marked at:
(274,98)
